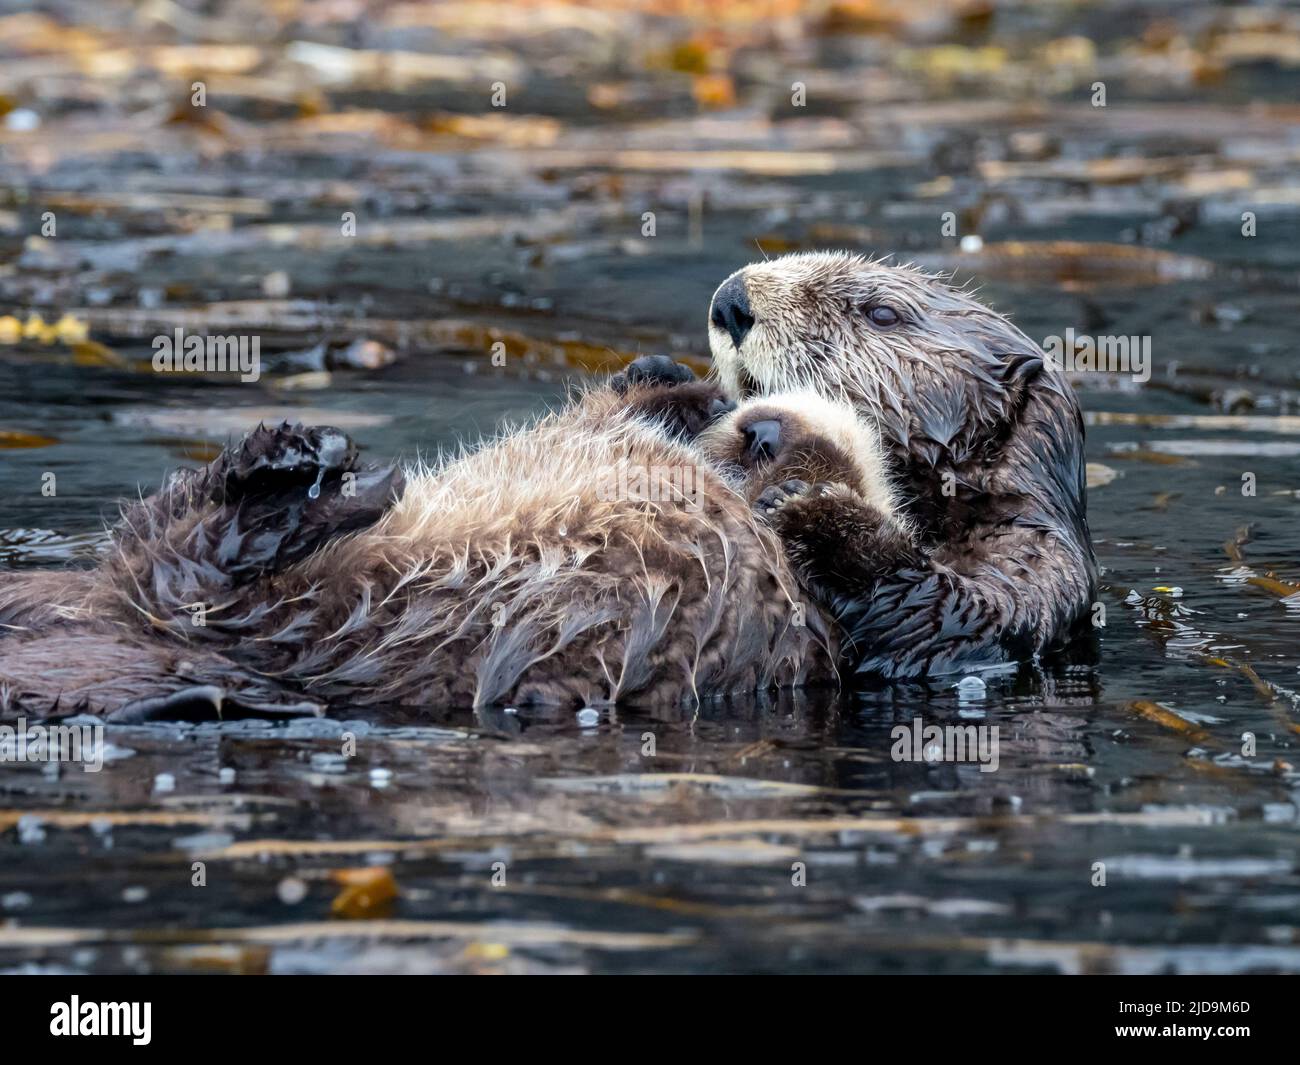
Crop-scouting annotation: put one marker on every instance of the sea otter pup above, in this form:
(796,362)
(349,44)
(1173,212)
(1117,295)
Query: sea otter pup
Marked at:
(608,552)
(986,441)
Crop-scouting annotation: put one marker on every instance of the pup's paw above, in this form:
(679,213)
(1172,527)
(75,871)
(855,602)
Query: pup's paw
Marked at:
(781,505)
(776,497)
(652,370)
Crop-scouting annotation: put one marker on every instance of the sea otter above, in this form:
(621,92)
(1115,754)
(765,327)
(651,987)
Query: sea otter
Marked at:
(985,440)
(608,552)
(946,531)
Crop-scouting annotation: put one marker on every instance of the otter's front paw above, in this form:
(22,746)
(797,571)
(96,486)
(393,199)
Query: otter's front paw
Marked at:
(775,496)
(779,500)
(683,410)
(838,542)
(652,370)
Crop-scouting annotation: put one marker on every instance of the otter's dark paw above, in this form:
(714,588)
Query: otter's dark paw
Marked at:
(684,410)
(652,370)
(838,542)
(776,497)
(270,460)
(285,491)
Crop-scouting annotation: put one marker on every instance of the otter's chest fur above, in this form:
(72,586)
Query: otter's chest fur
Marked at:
(585,559)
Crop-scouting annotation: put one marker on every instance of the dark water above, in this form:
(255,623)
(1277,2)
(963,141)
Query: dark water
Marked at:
(766,835)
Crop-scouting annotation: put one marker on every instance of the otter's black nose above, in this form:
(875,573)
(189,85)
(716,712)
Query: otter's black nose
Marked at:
(731,310)
(762,439)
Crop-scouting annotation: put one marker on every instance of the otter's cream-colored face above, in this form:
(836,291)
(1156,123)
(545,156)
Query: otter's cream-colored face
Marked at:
(932,367)
(799,434)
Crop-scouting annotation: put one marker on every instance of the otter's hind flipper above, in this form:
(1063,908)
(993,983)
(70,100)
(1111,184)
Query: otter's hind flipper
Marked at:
(285,491)
(260,506)
(87,670)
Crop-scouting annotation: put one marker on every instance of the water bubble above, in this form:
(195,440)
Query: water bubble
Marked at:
(276,285)
(291,890)
(204,841)
(113,753)
(30,829)
(22,120)
(588,717)
(329,762)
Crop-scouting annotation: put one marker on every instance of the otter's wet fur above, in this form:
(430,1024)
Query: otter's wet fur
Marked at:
(984,440)
(988,560)
(509,574)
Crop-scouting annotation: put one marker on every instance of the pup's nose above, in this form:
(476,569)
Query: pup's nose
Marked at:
(762,439)
(731,310)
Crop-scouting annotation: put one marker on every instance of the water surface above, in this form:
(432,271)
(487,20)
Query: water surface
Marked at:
(770,834)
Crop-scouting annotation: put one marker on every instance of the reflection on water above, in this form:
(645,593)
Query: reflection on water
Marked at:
(774,835)
(1143,813)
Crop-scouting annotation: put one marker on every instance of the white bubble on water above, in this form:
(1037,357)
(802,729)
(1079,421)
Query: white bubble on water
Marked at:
(30,829)
(291,890)
(22,120)
(329,762)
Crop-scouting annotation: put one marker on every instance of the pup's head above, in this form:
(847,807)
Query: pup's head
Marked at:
(941,375)
(798,435)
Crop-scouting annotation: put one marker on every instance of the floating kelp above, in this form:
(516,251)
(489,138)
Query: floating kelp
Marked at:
(16,438)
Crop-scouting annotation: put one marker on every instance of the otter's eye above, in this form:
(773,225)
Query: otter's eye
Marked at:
(883,317)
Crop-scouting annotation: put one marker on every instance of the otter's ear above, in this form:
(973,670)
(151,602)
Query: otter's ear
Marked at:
(1018,359)
(1021,370)
(1043,423)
